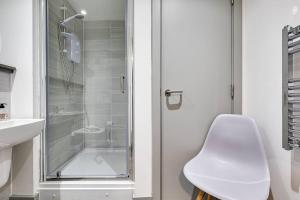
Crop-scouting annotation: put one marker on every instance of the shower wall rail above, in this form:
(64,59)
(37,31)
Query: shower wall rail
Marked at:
(290,87)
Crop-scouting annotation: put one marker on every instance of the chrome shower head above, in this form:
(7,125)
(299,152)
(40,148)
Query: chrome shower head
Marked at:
(76,16)
(79,16)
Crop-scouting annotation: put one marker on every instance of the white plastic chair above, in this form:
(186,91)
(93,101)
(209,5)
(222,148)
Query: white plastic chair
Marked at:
(232,164)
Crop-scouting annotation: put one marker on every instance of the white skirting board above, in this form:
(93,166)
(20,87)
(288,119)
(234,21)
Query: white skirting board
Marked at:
(81,190)
(93,194)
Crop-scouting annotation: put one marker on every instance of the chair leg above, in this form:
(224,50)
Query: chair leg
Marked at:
(200,195)
(209,197)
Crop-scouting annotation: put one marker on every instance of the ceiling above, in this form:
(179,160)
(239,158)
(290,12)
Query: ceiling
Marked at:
(101,9)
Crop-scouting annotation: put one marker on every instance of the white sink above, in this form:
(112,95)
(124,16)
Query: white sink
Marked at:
(16,131)
(13,132)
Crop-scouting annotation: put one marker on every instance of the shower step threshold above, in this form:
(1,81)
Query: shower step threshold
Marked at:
(91,184)
(91,190)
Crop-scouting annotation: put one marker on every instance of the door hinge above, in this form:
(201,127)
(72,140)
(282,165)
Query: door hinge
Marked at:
(232,91)
(232,2)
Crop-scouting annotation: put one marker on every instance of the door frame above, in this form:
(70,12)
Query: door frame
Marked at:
(236,77)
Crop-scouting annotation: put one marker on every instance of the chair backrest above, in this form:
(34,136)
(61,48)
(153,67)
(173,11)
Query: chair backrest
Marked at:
(235,138)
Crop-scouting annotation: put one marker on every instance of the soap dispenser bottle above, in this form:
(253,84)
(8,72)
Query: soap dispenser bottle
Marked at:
(3,111)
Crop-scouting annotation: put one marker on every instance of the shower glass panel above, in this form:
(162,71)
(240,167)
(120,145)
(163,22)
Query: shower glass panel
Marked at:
(88,89)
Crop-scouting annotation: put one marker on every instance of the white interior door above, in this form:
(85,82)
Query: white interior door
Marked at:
(196,59)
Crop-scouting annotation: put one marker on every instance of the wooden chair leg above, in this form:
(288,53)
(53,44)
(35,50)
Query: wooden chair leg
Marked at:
(200,195)
(209,197)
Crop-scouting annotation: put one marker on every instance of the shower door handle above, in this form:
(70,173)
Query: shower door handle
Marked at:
(122,83)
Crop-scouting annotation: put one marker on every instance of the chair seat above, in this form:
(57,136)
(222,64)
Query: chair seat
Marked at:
(231,164)
(216,178)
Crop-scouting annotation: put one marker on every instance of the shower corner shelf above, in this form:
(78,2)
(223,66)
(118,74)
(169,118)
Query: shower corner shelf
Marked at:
(63,80)
(88,131)
(65,114)
(290,88)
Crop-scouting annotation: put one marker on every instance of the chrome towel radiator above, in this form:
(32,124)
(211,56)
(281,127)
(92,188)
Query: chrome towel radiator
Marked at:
(291,87)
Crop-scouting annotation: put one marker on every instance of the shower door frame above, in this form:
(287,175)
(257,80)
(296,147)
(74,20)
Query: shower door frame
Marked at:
(42,57)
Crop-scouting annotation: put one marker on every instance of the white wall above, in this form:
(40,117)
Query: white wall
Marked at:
(263,22)
(142,100)
(16,50)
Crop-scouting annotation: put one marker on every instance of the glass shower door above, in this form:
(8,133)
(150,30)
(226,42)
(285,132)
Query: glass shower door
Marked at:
(88,90)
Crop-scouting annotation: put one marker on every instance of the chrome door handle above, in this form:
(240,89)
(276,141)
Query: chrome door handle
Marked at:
(170,92)
(122,83)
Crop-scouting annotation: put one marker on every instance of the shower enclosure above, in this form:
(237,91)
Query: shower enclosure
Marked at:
(88,90)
